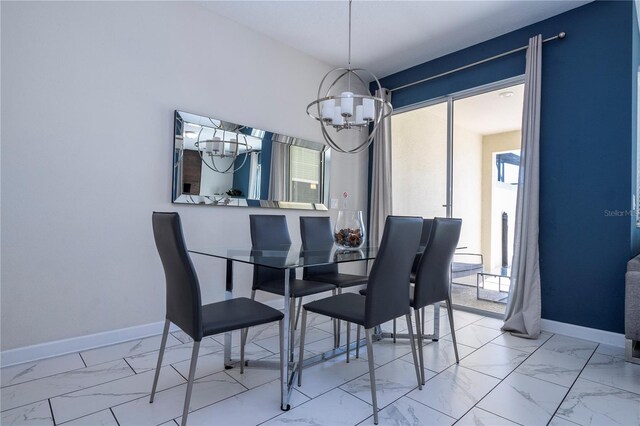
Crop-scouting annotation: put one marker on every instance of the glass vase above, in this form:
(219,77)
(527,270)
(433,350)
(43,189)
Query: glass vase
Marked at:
(349,231)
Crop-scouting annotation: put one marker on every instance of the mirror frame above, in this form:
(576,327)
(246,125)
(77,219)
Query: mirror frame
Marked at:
(211,200)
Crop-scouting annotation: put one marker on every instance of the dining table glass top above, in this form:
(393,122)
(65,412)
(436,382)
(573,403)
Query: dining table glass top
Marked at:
(288,256)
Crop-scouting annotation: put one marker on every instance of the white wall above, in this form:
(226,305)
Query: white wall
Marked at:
(88,94)
(213,182)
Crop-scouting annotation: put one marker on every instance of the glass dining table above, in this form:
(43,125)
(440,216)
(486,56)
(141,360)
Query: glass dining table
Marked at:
(289,257)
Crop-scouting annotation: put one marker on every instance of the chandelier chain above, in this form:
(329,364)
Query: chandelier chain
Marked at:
(350,34)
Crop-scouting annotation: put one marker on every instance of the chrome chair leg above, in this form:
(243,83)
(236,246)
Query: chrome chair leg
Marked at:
(192,372)
(335,324)
(163,343)
(394,330)
(283,382)
(419,331)
(338,325)
(348,340)
(453,330)
(295,325)
(357,341)
(419,369)
(292,332)
(372,375)
(245,331)
(301,354)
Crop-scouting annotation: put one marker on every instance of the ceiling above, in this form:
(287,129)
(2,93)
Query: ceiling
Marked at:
(491,112)
(388,36)
(488,113)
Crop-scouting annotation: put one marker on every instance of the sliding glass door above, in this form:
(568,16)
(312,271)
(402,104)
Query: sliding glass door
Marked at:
(419,161)
(458,156)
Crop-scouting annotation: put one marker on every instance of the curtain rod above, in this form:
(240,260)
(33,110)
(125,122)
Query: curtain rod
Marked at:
(559,36)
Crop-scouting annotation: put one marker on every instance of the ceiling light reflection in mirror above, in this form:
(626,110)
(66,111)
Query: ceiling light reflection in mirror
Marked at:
(221,163)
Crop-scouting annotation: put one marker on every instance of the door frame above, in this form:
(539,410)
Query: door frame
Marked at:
(450,99)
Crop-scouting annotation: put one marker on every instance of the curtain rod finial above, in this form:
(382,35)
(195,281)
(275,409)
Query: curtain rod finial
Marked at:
(562,35)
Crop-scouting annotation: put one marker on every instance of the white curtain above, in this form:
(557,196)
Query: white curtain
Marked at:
(381,198)
(522,317)
(279,176)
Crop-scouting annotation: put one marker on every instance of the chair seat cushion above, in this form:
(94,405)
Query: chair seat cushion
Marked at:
(341,280)
(235,314)
(297,288)
(347,306)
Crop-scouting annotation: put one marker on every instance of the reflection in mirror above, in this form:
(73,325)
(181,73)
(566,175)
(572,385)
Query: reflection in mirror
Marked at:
(221,163)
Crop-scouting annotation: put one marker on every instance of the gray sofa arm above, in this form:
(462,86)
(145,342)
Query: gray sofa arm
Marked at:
(632,304)
(634,264)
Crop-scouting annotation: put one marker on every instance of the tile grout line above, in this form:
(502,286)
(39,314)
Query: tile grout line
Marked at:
(500,382)
(377,367)
(574,382)
(53,417)
(608,385)
(179,373)
(85,364)
(381,365)
(132,369)
(494,414)
(71,391)
(123,402)
(114,416)
(605,384)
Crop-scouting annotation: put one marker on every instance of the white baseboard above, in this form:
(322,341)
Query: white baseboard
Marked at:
(91,341)
(80,343)
(586,333)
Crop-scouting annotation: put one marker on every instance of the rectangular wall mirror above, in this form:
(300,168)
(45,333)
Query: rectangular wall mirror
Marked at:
(220,163)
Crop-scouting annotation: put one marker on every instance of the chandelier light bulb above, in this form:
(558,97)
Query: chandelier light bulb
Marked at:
(359,117)
(338,118)
(346,104)
(327,110)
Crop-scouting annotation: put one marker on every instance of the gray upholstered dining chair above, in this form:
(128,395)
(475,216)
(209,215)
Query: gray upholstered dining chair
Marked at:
(433,275)
(270,232)
(184,305)
(317,234)
(424,239)
(387,296)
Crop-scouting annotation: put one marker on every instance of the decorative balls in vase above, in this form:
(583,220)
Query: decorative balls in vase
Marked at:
(349,230)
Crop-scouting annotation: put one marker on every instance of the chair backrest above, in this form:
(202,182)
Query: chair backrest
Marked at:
(388,285)
(434,271)
(184,305)
(268,232)
(424,239)
(317,234)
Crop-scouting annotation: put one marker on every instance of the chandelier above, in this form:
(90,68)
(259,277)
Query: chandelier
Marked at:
(224,144)
(340,106)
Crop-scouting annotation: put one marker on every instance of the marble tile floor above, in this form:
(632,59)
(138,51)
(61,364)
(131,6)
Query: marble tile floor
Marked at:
(501,380)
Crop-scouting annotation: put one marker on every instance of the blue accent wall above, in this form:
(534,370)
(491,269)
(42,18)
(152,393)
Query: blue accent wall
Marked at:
(241,176)
(585,148)
(265,165)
